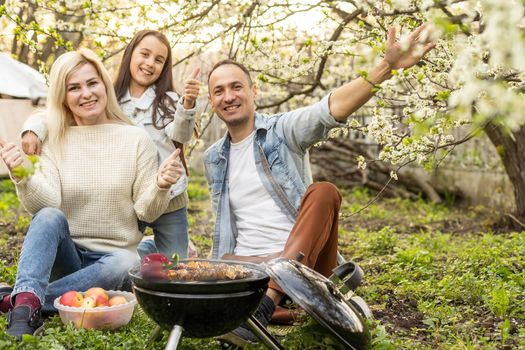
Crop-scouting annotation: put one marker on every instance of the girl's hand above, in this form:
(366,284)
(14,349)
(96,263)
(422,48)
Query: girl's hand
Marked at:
(170,171)
(12,156)
(31,145)
(191,89)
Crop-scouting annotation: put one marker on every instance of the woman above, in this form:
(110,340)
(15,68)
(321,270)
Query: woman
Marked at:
(97,175)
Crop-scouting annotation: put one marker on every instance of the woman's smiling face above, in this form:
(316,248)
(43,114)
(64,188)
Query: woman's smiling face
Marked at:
(86,96)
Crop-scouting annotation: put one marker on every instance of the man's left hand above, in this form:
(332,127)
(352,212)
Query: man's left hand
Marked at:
(397,58)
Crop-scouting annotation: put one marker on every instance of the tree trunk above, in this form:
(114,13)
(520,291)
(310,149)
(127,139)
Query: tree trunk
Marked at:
(511,148)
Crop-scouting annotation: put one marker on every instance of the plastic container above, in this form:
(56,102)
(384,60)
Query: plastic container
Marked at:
(105,317)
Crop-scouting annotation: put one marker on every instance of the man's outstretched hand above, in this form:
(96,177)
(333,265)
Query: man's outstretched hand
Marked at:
(348,98)
(397,58)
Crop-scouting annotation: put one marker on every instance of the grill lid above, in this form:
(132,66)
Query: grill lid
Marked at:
(318,296)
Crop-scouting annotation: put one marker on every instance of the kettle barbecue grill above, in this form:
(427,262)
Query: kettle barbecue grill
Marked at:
(204,309)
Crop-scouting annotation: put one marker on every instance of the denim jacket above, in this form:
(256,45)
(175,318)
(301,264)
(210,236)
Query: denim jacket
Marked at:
(281,145)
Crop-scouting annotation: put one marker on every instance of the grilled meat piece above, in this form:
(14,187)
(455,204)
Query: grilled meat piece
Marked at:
(205,271)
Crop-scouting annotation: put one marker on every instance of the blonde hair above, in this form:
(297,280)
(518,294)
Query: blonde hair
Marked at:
(58,116)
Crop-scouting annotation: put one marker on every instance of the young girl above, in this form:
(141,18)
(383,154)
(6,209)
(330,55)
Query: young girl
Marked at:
(144,87)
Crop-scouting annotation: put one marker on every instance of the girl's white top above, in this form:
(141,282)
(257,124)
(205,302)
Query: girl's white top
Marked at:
(140,111)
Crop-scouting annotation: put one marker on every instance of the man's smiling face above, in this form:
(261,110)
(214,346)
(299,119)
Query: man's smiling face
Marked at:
(232,95)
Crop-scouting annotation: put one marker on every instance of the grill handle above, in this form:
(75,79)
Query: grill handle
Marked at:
(350,273)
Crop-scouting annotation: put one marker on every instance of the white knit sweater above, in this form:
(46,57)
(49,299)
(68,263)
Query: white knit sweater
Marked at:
(103,181)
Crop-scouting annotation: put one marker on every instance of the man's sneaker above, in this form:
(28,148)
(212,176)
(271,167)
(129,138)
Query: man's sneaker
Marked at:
(242,335)
(22,320)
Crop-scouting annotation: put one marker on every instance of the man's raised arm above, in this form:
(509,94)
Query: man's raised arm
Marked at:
(348,98)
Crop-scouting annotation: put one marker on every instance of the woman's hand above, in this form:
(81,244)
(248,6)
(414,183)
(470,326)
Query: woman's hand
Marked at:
(170,171)
(12,156)
(191,89)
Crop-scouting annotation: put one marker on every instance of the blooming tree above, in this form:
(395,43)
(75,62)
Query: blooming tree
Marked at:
(299,50)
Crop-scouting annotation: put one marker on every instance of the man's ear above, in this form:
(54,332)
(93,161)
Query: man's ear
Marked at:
(254,90)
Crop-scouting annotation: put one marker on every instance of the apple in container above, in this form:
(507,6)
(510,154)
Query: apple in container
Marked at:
(72,298)
(88,303)
(117,300)
(100,296)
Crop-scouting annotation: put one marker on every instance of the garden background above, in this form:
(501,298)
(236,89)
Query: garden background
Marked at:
(444,266)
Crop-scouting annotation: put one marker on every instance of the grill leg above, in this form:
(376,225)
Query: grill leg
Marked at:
(174,339)
(264,336)
(154,335)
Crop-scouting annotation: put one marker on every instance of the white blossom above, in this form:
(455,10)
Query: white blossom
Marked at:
(361,162)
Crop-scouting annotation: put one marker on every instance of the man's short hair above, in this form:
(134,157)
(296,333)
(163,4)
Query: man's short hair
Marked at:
(235,63)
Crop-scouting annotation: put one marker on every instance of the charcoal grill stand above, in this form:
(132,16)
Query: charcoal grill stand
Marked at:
(303,285)
(255,326)
(262,333)
(174,338)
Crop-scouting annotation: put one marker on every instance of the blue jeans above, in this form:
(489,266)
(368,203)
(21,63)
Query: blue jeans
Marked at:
(51,263)
(170,235)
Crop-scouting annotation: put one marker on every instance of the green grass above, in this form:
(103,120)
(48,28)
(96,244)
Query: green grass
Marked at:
(436,277)
(435,289)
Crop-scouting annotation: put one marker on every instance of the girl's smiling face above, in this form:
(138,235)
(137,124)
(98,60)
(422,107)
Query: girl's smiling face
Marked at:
(147,61)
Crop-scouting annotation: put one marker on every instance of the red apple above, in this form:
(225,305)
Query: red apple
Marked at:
(95,292)
(88,303)
(101,300)
(71,298)
(117,300)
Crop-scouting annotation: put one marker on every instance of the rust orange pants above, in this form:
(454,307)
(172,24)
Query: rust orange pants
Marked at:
(315,232)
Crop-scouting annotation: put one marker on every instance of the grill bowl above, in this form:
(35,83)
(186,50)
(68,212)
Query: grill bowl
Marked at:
(202,308)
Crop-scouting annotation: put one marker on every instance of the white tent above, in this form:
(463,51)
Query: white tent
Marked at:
(20,80)
(25,84)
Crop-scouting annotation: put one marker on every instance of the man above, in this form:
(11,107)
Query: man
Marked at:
(259,174)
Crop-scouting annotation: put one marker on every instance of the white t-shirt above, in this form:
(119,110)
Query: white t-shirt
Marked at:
(261,225)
